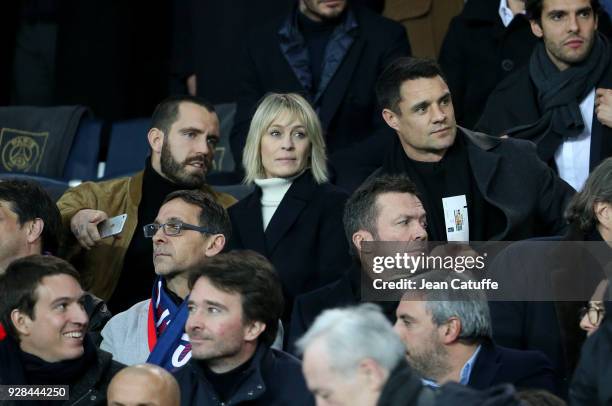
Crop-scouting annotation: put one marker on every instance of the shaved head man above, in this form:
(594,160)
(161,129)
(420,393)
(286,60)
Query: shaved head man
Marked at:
(143,385)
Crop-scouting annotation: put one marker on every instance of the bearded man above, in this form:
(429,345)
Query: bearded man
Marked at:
(183,135)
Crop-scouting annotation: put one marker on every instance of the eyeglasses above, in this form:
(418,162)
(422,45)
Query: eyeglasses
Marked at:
(594,313)
(173,228)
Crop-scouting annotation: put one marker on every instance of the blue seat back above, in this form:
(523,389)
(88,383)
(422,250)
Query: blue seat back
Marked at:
(128,147)
(224,161)
(54,187)
(239,191)
(82,162)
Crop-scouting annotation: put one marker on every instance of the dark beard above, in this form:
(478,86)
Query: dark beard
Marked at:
(175,171)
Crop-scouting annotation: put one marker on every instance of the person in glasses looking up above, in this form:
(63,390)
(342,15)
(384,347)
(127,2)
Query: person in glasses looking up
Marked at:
(190,227)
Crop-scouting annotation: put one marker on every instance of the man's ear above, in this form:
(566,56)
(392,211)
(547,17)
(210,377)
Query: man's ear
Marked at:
(35,229)
(373,375)
(359,237)
(603,213)
(215,245)
(156,139)
(450,331)
(21,321)
(536,29)
(391,119)
(253,330)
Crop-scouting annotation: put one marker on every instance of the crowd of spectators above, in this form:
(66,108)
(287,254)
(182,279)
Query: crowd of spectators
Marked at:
(168,287)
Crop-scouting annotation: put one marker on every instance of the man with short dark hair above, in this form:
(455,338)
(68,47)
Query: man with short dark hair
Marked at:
(384,208)
(234,307)
(473,186)
(189,228)
(29,221)
(183,136)
(30,224)
(447,334)
(563,99)
(41,306)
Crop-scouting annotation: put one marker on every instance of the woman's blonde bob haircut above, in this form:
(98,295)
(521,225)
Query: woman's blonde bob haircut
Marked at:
(269,109)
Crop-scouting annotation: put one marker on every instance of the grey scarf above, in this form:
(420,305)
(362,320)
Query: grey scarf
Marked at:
(559,96)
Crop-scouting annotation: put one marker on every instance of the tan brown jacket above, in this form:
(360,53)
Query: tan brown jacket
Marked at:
(101,266)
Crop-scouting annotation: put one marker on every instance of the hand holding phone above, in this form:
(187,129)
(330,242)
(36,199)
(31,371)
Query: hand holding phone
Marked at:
(112,226)
(84,226)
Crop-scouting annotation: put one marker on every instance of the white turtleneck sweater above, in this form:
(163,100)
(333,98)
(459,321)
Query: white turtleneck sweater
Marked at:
(272,192)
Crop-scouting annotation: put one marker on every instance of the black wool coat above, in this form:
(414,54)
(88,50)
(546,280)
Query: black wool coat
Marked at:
(511,178)
(478,52)
(347,106)
(304,240)
(514,102)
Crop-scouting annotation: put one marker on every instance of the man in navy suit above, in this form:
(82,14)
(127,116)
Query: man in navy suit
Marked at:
(447,334)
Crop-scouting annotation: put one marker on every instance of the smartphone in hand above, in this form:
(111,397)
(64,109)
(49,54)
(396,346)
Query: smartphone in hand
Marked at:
(112,226)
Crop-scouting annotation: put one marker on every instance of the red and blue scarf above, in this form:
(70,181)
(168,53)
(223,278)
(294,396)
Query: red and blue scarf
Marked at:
(168,342)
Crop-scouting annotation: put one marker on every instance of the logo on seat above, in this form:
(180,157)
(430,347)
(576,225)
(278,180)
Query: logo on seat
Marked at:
(22,151)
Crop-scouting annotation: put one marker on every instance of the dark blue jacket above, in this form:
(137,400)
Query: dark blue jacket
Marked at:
(404,388)
(524,369)
(273,378)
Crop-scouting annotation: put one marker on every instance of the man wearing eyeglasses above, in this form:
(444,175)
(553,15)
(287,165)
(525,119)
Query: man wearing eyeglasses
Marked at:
(190,227)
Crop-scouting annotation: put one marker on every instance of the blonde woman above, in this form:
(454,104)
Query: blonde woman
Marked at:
(294,216)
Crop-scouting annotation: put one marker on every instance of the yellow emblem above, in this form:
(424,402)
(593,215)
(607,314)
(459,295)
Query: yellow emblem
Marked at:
(22,151)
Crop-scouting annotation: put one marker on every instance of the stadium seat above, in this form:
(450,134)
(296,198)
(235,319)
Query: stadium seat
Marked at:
(128,147)
(54,187)
(82,162)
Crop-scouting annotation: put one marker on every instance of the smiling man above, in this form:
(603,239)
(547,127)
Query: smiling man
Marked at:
(32,220)
(234,307)
(563,99)
(189,228)
(472,186)
(42,308)
(183,135)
